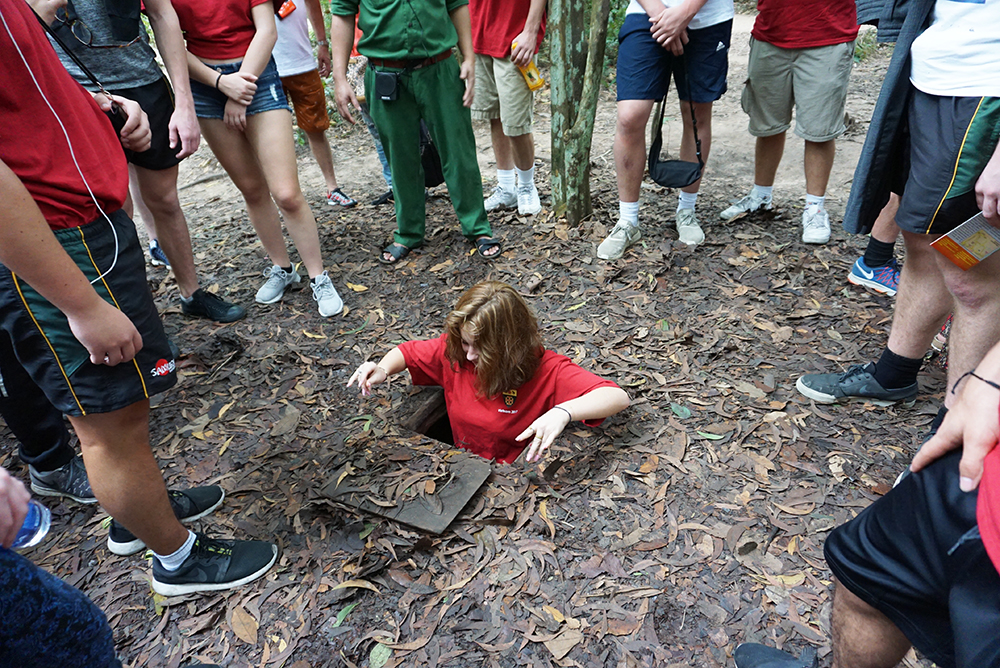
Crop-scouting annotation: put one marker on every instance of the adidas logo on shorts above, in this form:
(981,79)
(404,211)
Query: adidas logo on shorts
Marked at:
(721,47)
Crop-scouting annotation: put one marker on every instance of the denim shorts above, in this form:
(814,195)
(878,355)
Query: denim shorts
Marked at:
(211,103)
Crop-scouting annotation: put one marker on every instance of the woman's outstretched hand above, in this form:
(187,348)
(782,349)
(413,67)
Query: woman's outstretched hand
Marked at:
(368,375)
(544,430)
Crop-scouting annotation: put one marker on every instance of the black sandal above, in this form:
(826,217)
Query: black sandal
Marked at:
(396,251)
(485,244)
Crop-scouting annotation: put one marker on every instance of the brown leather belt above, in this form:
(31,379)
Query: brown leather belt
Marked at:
(410,64)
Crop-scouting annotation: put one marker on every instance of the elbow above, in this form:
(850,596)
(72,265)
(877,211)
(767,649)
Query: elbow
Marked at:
(621,401)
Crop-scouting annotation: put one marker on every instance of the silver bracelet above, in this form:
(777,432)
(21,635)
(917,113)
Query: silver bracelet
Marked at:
(565,410)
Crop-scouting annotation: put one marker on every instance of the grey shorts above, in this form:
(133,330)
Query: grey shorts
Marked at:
(813,81)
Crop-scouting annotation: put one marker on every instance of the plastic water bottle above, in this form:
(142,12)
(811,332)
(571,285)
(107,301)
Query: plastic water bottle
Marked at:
(36,525)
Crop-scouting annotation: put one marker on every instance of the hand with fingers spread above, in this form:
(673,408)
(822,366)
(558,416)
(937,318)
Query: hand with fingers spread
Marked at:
(13,507)
(544,431)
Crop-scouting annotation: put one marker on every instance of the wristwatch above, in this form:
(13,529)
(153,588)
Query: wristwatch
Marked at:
(322,42)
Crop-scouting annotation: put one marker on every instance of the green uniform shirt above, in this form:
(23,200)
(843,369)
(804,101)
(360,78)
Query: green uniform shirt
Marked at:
(402,29)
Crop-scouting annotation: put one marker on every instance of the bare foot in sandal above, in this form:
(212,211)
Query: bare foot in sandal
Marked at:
(489,247)
(393,253)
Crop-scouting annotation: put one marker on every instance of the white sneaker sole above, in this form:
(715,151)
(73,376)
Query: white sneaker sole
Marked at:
(48,491)
(133,546)
(821,398)
(871,285)
(166,589)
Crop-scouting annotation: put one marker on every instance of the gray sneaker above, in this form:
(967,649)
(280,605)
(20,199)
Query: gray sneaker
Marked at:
(622,236)
(69,480)
(326,296)
(688,229)
(500,199)
(748,204)
(856,384)
(277,281)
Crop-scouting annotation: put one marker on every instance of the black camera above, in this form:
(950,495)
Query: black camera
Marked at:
(387,86)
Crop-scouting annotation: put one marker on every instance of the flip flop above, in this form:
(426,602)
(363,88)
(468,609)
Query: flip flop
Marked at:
(485,244)
(396,251)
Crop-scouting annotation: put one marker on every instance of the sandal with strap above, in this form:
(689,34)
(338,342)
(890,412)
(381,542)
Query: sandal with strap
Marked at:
(396,251)
(487,243)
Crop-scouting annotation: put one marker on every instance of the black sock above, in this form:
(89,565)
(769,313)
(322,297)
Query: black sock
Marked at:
(894,371)
(878,253)
(288,269)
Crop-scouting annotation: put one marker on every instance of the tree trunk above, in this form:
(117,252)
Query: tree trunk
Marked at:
(577,71)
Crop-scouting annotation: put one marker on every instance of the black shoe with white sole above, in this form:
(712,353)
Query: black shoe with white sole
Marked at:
(189,505)
(856,384)
(214,565)
(69,480)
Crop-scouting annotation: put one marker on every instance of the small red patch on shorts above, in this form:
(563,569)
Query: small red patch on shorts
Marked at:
(162,368)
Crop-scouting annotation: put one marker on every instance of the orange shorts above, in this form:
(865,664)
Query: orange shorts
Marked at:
(305,91)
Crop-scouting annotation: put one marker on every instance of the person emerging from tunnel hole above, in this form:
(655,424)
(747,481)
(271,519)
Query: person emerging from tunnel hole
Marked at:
(502,389)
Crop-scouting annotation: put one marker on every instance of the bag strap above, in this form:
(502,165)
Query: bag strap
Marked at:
(73,57)
(658,121)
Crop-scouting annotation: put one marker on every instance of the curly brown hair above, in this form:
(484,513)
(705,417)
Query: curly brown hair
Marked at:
(505,332)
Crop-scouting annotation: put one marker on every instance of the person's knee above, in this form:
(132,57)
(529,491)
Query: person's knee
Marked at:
(289,200)
(631,122)
(973,293)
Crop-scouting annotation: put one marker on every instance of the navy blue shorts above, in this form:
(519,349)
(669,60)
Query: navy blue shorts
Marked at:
(644,67)
(916,555)
(211,103)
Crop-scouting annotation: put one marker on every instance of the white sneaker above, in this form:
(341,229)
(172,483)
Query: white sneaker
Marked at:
(500,199)
(749,203)
(621,237)
(277,281)
(326,296)
(688,229)
(815,226)
(528,203)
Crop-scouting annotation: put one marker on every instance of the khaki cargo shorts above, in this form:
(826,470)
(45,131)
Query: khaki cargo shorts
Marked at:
(501,92)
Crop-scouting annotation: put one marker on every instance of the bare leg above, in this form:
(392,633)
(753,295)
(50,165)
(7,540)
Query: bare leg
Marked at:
(136,204)
(502,150)
(524,151)
(268,135)
(818,165)
(237,157)
(767,157)
(976,324)
(703,114)
(923,301)
(862,636)
(324,157)
(885,228)
(125,478)
(159,193)
(630,147)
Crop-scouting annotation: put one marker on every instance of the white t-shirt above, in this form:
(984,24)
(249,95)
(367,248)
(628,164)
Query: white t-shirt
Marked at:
(959,54)
(293,52)
(712,12)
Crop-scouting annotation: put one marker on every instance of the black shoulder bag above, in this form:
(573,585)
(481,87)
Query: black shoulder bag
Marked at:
(675,173)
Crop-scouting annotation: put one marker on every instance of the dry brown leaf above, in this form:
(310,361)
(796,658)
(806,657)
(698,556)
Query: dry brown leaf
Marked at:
(244,626)
(562,644)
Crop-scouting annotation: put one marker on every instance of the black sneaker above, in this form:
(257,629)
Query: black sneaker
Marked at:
(384,198)
(188,505)
(752,655)
(858,383)
(69,480)
(215,565)
(206,305)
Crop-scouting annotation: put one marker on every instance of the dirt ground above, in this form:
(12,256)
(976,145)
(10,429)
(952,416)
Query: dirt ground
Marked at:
(687,524)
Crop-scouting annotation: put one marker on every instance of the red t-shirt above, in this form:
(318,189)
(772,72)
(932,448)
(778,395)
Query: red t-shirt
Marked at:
(217,29)
(488,427)
(803,24)
(495,24)
(32,143)
(988,506)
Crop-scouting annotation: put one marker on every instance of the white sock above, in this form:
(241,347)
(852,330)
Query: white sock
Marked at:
(505,179)
(686,200)
(172,562)
(815,200)
(525,176)
(629,212)
(762,192)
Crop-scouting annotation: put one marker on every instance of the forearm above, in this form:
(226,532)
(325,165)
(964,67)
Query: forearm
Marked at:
(259,52)
(392,362)
(199,71)
(341,41)
(29,249)
(460,19)
(597,404)
(170,44)
(315,12)
(535,13)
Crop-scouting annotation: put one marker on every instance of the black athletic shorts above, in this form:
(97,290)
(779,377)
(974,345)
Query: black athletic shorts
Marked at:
(157,100)
(916,555)
(51,354)
(951,140)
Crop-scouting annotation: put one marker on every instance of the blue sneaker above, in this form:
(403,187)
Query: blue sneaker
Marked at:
(884,279)
(156,255)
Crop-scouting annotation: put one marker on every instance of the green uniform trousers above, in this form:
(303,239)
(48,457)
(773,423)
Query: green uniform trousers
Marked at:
(434,94)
